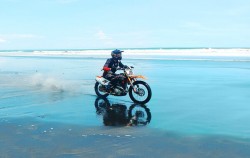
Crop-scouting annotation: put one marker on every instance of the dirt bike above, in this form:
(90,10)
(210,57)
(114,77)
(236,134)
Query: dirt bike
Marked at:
(139,91)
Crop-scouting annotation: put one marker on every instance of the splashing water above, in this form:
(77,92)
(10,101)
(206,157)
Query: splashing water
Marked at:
(47,83)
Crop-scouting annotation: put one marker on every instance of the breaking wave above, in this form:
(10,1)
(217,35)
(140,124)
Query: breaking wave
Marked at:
(236,54)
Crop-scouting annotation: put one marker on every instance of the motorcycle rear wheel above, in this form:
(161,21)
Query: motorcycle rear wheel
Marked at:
(100,94)
(142,90)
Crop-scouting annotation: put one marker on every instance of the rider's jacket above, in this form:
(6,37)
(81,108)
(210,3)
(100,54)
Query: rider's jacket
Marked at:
(111,63)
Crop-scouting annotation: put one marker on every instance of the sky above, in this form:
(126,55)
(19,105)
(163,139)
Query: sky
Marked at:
(99,24)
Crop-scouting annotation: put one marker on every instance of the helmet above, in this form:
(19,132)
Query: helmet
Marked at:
(117,54)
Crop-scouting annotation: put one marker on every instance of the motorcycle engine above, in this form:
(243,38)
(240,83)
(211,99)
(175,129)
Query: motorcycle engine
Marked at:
(119,91)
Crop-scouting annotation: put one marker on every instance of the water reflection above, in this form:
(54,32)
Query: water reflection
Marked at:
(118,114)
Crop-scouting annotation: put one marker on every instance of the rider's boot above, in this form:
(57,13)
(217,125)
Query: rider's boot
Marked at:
(108,87)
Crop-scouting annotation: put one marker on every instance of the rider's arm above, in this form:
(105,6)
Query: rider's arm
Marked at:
(106,68)
(106,65)
(121,65)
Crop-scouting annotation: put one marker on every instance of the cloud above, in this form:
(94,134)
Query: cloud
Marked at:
(23,36)
(18,36)
(102,36)
(2,40)
(238,11)
(194,25)
(66,1)
(9,41)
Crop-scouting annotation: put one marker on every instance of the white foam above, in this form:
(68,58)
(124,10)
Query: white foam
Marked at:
(142,53)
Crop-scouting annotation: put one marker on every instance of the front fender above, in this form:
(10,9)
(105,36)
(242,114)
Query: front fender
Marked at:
(138,76)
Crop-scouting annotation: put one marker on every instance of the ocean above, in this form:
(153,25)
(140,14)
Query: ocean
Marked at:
(197,99)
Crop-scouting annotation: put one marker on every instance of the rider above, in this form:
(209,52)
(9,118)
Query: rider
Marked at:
(111,66)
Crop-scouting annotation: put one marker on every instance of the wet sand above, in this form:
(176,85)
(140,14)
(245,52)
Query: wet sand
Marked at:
(30,138)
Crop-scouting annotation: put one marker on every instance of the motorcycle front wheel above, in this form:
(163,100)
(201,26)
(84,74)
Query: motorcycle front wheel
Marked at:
(98,91)
(141,92)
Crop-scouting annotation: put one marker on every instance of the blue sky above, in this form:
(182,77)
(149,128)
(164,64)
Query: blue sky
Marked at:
(97,24)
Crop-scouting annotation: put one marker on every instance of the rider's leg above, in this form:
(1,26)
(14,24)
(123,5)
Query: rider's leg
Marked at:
(109,77)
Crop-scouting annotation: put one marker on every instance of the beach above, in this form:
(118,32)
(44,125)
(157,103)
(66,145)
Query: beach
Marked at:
(199,108)
(29,138)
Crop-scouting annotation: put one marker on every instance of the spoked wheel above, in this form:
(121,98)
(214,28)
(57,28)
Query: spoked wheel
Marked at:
(141,92)
(139,115)
(100,90)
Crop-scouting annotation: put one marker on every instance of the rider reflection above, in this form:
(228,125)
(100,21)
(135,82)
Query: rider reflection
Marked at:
(118,115)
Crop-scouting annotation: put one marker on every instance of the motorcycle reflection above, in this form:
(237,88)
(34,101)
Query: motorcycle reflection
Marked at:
(118,115)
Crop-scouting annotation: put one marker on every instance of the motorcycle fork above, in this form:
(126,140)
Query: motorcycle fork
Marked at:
(131,84)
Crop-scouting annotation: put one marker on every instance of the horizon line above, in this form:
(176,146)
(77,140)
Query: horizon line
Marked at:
(125,48)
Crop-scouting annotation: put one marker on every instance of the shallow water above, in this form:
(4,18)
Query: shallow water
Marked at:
(200,101)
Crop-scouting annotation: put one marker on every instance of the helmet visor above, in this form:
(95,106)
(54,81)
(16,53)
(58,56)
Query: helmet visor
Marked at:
(117,55)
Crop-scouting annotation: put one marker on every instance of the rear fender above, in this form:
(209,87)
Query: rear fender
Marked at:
(102,80)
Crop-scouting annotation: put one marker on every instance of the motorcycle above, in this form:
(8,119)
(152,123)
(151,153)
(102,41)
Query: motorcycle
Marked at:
(138,90)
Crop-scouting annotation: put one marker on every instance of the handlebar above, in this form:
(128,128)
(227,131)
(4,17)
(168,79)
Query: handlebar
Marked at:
(130,67)
(120,68)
